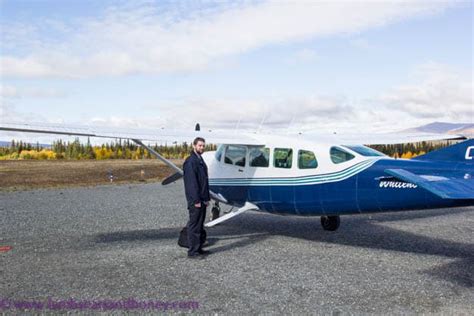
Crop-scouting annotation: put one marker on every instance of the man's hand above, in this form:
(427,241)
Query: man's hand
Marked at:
(197,204)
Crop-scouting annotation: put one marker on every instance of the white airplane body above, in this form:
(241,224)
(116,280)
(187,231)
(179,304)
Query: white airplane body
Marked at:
(310,174)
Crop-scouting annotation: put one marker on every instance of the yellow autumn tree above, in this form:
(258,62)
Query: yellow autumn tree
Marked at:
(421,152)
(408,155)
(102,153)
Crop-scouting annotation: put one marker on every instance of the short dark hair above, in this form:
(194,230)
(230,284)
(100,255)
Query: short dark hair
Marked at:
(198,139)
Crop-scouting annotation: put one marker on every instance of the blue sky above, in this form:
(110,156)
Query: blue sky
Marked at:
(370,66)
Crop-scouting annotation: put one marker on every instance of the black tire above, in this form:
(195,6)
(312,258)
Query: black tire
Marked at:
(330,223)
(215,213)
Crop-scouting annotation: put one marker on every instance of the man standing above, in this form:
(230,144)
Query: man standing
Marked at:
(196,187)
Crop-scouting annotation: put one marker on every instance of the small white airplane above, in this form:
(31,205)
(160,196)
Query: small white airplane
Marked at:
(309,174)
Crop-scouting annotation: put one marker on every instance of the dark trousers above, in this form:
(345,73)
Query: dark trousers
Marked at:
(195,228)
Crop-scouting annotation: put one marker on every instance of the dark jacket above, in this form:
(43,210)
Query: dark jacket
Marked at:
(196,181)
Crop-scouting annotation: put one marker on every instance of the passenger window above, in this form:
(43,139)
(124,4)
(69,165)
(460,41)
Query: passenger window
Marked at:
(338,155)
(282,157)
(259,157)
(219,152)
(307,160)
(235,155)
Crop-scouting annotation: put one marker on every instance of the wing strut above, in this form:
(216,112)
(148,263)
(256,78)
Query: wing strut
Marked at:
(247,207)
(175,176)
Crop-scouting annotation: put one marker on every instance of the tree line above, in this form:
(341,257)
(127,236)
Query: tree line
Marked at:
(411,150)
(125,149)
(75,150)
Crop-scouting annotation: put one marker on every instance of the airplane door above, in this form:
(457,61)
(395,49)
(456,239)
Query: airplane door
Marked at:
(282,189)
(235,171)
(340,196)
(259,171)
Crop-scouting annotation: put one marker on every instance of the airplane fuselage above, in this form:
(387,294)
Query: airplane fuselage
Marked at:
(358,185)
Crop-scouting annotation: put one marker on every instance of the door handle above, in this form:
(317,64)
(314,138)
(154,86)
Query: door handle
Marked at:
(240,170)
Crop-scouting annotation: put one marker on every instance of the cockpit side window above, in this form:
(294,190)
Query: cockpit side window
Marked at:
(365,151)
(307,160)
(235,155)
(282,157)
(259,157)
(219,152)
(339,155)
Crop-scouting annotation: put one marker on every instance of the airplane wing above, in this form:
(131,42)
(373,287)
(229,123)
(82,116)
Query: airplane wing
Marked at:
(139,136)
(144,135)
(379,138)
(447,186)
(218,137)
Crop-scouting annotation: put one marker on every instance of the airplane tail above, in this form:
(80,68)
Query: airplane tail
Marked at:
(461,152)
(452,184)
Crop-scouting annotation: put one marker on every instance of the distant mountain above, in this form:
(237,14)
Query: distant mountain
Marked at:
(4,144)
(466,129)
(7,144)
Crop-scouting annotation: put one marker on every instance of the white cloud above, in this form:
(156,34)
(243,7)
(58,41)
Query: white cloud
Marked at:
(361,43)
(9,113)
(434,92)
(253,113)
(144,39)
(12,92)
(304,55)
(8,91)
(10,96)
(438,92)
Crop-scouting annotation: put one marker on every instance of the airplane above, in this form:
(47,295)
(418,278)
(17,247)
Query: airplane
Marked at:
(309,174)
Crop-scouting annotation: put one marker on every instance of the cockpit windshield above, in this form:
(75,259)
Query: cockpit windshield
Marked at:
(365,151)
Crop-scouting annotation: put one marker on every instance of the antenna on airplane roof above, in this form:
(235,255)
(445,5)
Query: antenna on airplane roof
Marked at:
(261,122)
(238,123)
(289,125)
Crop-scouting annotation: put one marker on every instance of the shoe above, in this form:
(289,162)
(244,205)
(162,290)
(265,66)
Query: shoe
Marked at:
(196,257)
(204,252)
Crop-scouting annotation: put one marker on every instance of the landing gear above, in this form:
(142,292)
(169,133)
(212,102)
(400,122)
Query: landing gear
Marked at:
(215,211)
(330,223)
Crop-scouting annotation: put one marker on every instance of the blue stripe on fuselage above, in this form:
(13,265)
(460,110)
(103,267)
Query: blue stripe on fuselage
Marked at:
(360,192)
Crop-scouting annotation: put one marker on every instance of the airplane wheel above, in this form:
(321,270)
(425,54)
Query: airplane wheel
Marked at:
(215,213)
(330,223)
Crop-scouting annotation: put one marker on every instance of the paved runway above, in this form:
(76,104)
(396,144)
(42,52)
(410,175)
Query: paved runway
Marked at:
(116,242)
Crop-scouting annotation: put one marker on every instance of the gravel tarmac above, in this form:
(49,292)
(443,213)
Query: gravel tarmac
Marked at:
(115,242)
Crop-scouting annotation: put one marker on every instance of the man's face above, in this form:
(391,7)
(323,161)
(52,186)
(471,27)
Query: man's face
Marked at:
(199,147)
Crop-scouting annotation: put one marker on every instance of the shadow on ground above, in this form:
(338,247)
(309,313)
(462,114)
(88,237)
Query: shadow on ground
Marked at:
(355,231)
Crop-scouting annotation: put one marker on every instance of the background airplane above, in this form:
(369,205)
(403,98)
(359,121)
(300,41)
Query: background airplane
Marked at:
(311,174)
